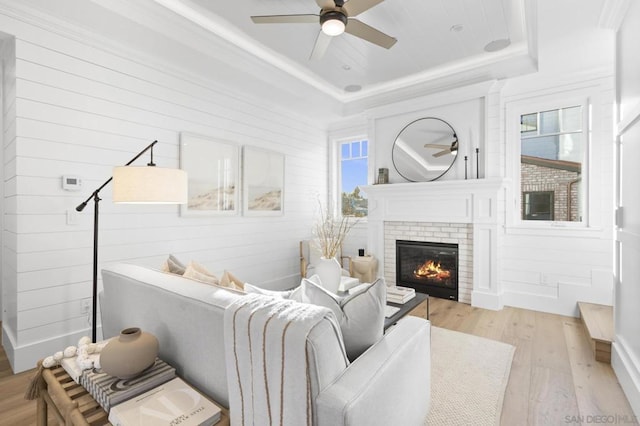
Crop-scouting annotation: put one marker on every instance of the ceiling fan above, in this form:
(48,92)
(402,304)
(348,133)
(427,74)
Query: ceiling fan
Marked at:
(336,17)
(445,149)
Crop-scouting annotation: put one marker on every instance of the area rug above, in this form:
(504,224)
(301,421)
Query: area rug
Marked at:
(469,375)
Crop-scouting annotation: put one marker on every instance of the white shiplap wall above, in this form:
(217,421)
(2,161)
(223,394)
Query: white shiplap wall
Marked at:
(80,110)
(9,295)
(551,268)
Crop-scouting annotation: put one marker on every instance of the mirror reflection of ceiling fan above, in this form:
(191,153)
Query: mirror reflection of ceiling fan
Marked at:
(445,149)
(336,17)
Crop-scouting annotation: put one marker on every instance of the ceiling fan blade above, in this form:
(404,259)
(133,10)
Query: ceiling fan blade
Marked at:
(436,145)
(441,153)
(319,49)
(356,7)
(286,19)
(370,34)
(325,4)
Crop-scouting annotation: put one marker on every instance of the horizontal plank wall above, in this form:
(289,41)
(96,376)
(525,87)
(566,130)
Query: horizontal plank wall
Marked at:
(550,268)
(8,286)
(80,111)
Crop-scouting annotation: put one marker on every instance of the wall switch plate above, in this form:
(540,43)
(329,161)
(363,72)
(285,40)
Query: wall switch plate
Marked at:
(85,306)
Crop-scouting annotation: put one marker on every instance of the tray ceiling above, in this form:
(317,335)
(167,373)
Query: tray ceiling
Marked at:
(441,44)
(436,38)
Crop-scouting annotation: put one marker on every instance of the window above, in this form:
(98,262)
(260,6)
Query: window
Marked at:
(552,153)
(353,172)
(537,205)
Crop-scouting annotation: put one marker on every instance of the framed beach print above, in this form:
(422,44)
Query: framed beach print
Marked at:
(213,169)
(262,182)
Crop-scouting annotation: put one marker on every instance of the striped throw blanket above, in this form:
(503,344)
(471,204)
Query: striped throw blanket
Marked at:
(267,371)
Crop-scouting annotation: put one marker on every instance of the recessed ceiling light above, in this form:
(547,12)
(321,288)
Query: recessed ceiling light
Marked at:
(346,67)
(353,88)
(456,28)
(496,45)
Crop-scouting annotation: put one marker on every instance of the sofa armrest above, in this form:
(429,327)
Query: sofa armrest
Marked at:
(388,384)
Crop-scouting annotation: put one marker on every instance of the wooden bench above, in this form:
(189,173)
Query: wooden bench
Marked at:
(598,321)
(71,404)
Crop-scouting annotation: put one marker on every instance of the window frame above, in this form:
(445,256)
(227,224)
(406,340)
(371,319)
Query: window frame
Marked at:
(516,109)
(335,169)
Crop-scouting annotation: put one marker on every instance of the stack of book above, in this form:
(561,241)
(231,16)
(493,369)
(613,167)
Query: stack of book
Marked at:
(109,391)
(400,295)
(173,403)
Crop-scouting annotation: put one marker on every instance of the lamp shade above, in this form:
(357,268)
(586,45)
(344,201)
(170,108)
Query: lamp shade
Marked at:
(149,185)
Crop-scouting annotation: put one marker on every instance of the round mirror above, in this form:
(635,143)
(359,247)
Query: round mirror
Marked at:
(425,149)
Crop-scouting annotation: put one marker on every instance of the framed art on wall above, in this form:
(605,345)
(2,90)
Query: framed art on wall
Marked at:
(263,182)
(213,169)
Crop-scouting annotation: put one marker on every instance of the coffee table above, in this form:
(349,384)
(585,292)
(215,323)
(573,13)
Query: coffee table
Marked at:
(405,308)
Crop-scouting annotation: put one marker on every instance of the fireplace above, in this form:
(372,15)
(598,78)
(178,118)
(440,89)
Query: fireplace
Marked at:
(428,267)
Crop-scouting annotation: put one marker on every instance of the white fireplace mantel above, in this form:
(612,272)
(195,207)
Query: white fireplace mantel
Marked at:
(479,202)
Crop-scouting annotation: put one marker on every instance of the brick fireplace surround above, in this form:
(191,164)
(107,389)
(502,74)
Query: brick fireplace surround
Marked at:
(467,213)
(434,232)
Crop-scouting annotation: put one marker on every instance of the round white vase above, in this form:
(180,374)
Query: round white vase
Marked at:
(330,272)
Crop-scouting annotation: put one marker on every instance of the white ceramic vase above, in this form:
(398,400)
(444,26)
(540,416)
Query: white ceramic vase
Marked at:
(329,271)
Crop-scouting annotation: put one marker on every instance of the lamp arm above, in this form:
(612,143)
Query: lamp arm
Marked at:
(96,199)
(94,194)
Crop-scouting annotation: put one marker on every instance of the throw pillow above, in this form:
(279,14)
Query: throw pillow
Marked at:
(294,294)
(200,273)
(230,281)
(173,265)
(360,315)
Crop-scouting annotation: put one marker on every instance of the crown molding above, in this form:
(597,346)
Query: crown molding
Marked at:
(231,34)
(31,16)
(613,13)
(227,49)
(205,19)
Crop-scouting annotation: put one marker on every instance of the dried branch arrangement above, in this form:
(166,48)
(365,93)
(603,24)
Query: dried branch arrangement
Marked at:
(330,232)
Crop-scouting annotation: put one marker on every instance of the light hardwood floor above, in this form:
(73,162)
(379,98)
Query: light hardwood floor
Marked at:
(554,378)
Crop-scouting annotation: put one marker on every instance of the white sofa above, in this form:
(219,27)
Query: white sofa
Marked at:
(388,384)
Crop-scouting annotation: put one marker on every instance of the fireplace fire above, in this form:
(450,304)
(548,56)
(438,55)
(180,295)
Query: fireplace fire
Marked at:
(428,267)
(432,270)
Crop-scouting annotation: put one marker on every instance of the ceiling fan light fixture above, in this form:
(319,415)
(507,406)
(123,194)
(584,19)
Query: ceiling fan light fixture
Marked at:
(333,23)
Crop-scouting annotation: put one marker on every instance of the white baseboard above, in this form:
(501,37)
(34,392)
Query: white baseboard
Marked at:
(627,369)
(486,300)
(7,344)
(25,357)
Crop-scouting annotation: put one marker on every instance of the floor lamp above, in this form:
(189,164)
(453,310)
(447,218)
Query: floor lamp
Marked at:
(135,185)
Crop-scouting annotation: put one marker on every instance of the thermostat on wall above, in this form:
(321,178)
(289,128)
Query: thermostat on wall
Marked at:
(71,183)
